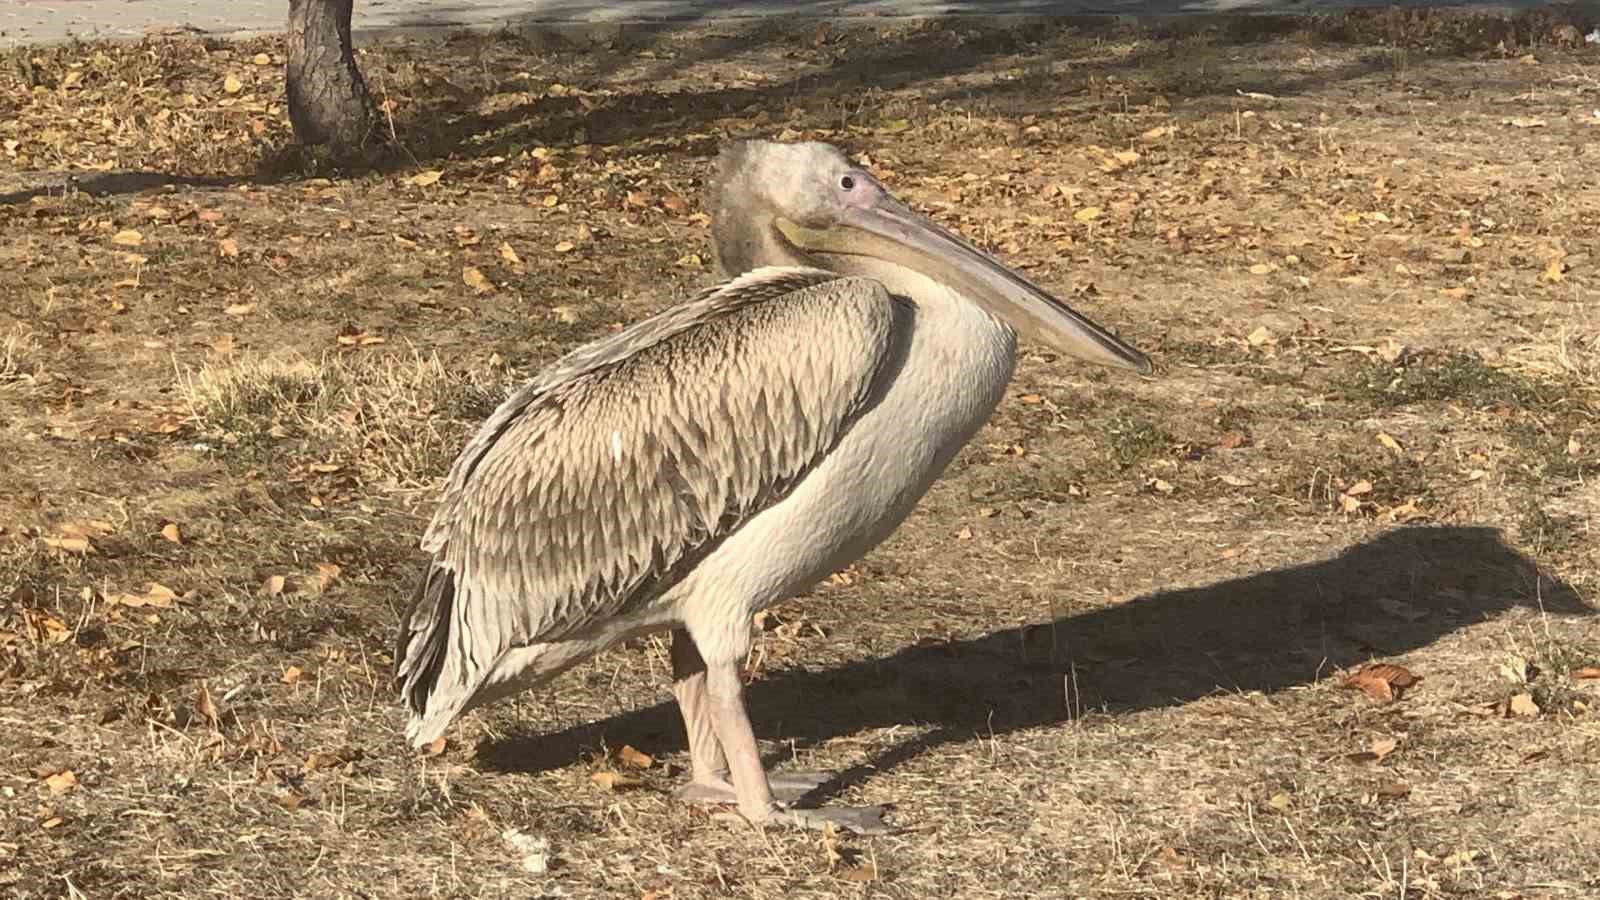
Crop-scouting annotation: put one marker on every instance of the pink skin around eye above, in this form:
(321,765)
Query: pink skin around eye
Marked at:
(864,191)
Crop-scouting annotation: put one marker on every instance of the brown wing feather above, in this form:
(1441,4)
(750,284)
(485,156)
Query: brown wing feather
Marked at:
(599,484)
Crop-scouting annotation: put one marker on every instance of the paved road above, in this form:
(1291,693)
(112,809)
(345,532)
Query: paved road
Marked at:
(30,21)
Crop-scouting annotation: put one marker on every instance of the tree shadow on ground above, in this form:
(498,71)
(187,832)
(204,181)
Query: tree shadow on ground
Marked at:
(126,182)
(849,66)
(849,72)
(1267,632)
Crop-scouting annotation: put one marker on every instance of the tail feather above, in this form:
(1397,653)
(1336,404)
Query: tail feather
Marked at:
(421,652)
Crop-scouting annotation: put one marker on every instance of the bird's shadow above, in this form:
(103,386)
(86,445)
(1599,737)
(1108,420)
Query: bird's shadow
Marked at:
(1402,590)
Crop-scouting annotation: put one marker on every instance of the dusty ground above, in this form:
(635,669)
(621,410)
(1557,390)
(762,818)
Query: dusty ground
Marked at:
(1105,658)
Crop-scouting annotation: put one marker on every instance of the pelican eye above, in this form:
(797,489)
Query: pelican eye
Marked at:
(847,182)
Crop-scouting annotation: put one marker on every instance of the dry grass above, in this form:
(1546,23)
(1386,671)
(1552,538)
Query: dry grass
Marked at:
(1104,657)
(17,350)
(403,417)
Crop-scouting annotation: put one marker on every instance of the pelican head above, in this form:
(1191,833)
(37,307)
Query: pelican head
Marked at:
(807,204)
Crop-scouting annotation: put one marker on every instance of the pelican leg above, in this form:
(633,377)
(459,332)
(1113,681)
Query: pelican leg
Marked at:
(751,787)
(708,767)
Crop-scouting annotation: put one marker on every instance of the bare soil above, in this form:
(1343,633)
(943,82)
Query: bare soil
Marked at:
(1106,657)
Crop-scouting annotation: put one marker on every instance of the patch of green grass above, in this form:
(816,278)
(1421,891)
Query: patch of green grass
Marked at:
(1545,665)
(1543,451)
(1400,479)
(1235,418)
(1546,533)
(1393,479)
(1132,440)
(1458,377)
(1200,353)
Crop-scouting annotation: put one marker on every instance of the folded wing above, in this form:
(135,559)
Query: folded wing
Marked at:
(599,485)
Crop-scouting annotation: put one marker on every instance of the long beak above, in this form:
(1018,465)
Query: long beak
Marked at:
(891,231)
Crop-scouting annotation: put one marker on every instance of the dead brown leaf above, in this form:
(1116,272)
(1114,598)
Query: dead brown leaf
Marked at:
(1380,748)
(1587,672)
(317,760)
(1405,512)
(273,586)
(615,781)
(1118,160)
(78,545)
(171,532)
(326,573)
(473,278)
(862,873)
(61,782)
(1383,682)
(155,595)
(292,675)
(831,853)
(1522,706)
(1172,858)
(359,339)
(634,759)
(205,708)
(1394,790)
(44,628)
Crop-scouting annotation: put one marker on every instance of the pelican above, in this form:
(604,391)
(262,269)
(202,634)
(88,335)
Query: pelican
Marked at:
(724,455)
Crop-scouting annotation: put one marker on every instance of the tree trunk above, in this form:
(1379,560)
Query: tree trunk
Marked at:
(328,99)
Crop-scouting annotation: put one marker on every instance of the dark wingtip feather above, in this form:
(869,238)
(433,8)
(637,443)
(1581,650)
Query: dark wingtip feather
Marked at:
(429,613)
